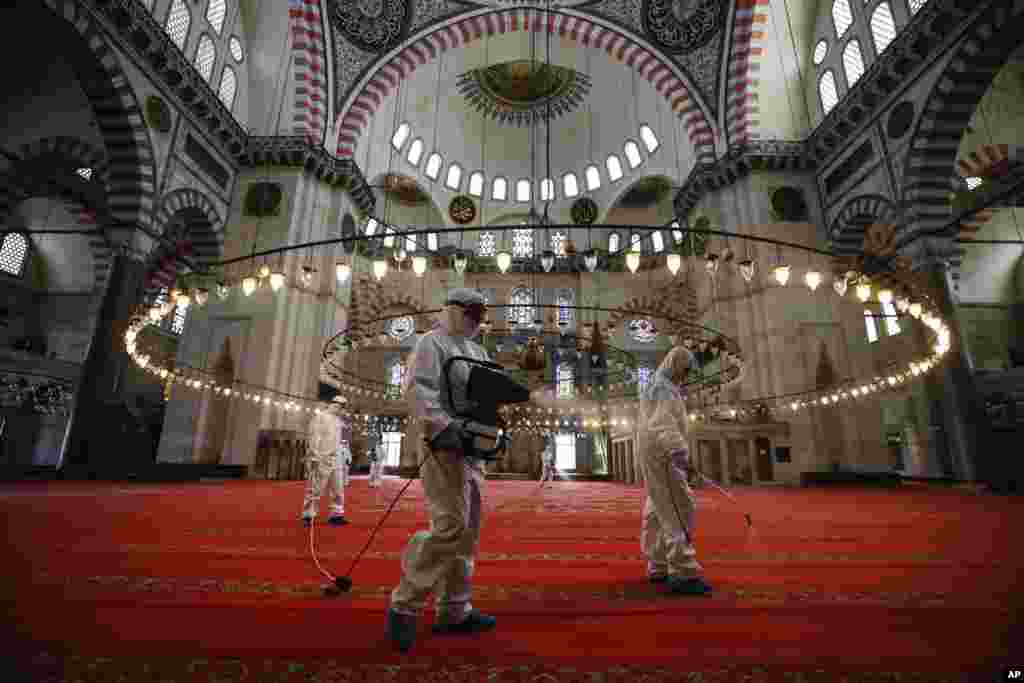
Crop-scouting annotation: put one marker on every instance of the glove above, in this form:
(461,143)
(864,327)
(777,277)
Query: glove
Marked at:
(680,458)
(450,438)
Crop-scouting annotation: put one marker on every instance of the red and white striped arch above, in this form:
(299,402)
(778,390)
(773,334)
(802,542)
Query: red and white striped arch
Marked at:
(645,59)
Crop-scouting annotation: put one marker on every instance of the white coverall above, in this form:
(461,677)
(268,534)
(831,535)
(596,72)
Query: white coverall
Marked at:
(377,465)
(442,558)
(668,515)
(324,464)
(548,460)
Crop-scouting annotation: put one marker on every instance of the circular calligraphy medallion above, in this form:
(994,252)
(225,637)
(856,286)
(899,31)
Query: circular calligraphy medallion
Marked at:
(682,25)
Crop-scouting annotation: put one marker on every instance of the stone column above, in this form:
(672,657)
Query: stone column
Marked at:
(88,443)
(952,387)
(723,447)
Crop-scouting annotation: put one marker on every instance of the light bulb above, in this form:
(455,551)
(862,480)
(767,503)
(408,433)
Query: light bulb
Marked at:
(902,305)
(673,262)
(223,290)
(781,274)
(885,296)
(864,291)
(419,265)
(590,260)
(307,275)
(915,309)
(276,281)
(711,265)
(813,279)
(632,261)
(747,269)
(249,285)
(401,255)
(154,314)
(202,296)
(504,261)
(380,269)
(183,301)
(840,284)
(459,261)
(342,272)
(264,271)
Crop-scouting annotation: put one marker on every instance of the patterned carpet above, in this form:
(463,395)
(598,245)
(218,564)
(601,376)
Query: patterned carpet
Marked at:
(214,582)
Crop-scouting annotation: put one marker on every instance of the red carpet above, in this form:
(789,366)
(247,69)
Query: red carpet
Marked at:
(214,582)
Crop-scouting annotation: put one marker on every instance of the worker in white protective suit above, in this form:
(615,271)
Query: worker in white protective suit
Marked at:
(548,460)
(377,454)
(324,466)
(441,559)
(344,451)
(668,515)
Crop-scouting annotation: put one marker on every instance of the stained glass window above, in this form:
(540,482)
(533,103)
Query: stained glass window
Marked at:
(400,136)
(853,62)
(523,190)
(593,178)
(820,50)
(215,12)
(433,166)
(916,5)
(657,241)
(485,245)
(632,154)
(476,184)
(649,139)
(499,189)
(235,46)
(842,17)
(569,185)
(432,241)
(520,310)
(454,177)
(178,21)
(415,152)
(613,243)
(827,91)
(547,190)
(228,87)
(614,167)
(13,253)
(522,243)
(883,27)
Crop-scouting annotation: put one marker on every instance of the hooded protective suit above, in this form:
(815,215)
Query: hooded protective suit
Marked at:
(668,516)
(377,457)
(441,559)
(548,461)
(325,464)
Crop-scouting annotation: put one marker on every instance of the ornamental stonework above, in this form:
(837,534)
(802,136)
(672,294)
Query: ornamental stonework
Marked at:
(372,25)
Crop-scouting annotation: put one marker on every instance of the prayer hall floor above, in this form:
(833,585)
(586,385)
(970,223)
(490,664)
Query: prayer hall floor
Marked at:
(214,582)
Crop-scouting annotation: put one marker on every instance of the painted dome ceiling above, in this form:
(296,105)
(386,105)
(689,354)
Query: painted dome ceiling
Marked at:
(524,92)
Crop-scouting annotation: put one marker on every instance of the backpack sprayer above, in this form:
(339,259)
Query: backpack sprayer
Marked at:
(482,432)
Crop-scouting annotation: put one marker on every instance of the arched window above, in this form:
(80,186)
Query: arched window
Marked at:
(883,27)
(614,167)
(827,91)
(389,237)
(13,254)
(613,243)
(520,310)
(432,241)
(523,190)
(476,184)
(677,234)
(593,178)
(235,47)
(564,301)
(400,136)
(522,243)
(178,20)
(371,227)
(635,242)
(228,87)
(643,378)
(499,189)
(892,325)
(485,244)
(632,154)
(215,12)
(657,242)
(853,62)
(206,55)
(842,17)
(648,137)
(547,190)
(410,245)
(569,185)
(433,166)
(820,50)
(869,323)
(84,173)
(558,243)
(565,452)
(415,152)
(566,380)
(916,5)
(454,177)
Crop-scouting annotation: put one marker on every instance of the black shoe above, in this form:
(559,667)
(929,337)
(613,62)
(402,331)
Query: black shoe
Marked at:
(691,586)
(401,630)
(474,623)
(337,520)
(307,522)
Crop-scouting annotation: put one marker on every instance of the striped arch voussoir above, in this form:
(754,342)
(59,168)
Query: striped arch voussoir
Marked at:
(130,176)
(462,32)
(82,155)
(850,226)
(202,240)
